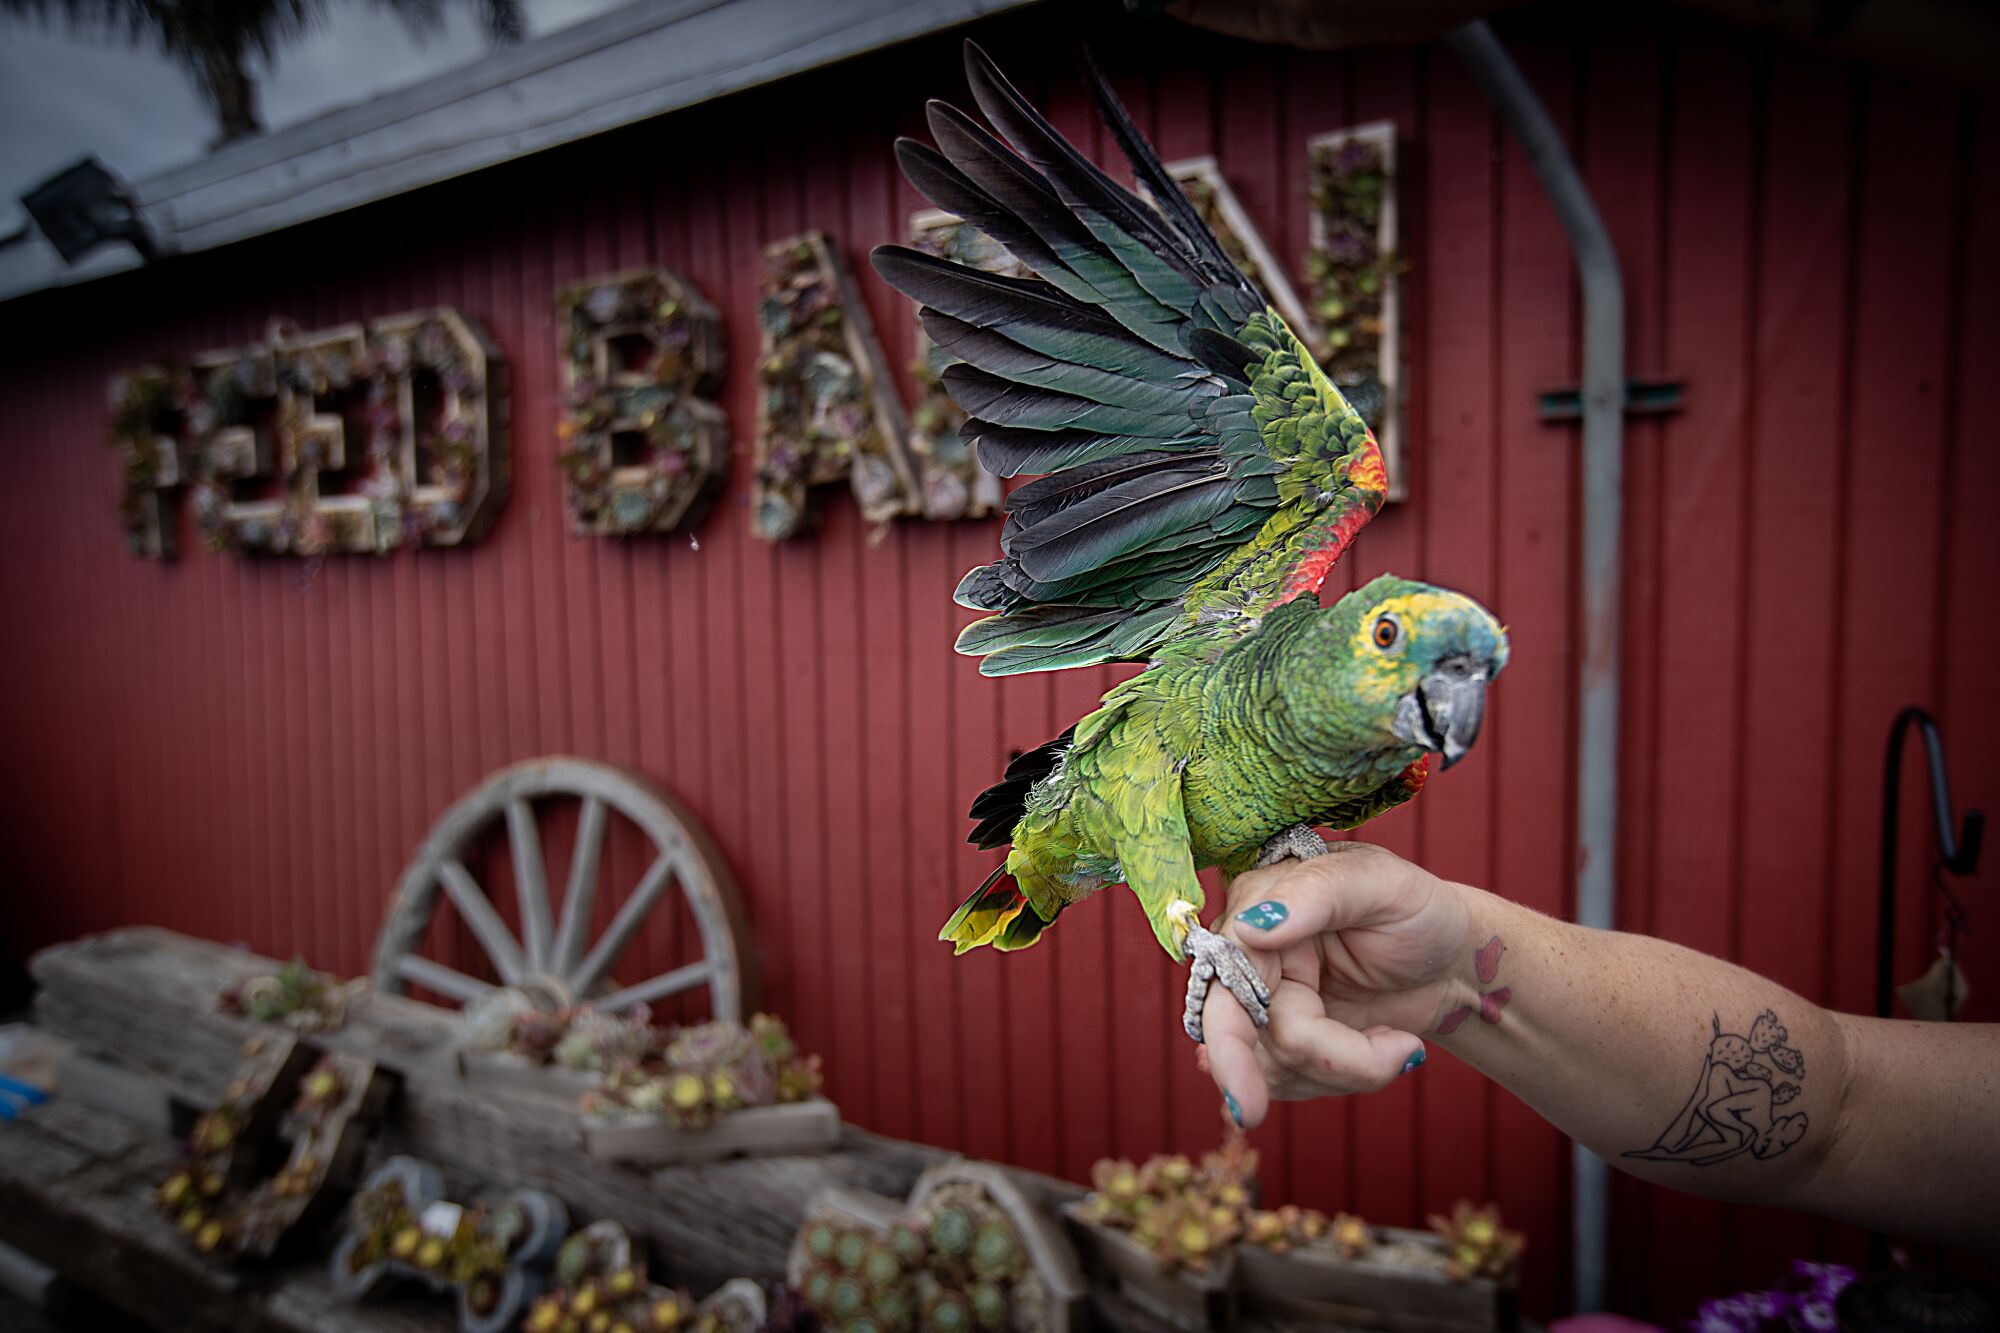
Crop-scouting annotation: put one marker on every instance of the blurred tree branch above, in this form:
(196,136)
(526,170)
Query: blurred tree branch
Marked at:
(212,40)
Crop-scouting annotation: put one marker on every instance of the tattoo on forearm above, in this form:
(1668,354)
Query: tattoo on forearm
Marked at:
(1734,1106)
(1486,963)
(1486,967)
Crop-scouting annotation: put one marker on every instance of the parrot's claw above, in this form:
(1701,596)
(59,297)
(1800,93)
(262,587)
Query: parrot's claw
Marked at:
(1300,842)
(1215,958)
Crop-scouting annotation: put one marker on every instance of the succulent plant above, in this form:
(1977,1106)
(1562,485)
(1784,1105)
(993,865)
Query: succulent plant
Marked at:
(989,1304)
(820,1239)
(533,1033)
(908,1243)
(1476,1245)
(573,1260)
(948,1311)
(846,1297)
(1184,1213)
(996,1252)
(881,1267)
(294,995)
(544,1316)
(950,1232)
(894,1308)
(1350,1236)
(849,1250)
(708,1046)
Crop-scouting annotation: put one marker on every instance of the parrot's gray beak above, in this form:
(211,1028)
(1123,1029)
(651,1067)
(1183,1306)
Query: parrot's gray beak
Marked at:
(1444,711)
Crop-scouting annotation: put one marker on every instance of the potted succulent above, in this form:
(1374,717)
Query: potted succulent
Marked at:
(492,1258)
(717,1090)
(1187,1242)
(967,1252)
(552,1057)
(1163,1233)
(601,1288)
(1460,1275)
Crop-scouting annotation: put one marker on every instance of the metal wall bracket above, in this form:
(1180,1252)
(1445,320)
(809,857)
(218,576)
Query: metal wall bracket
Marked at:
(1642,398)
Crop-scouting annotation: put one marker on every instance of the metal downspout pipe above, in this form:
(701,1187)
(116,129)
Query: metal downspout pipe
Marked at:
(1603,498)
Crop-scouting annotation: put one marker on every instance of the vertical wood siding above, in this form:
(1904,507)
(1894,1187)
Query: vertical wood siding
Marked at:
(249,750)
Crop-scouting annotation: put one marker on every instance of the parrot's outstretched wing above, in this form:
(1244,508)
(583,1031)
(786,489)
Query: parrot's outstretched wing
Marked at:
(1201,469)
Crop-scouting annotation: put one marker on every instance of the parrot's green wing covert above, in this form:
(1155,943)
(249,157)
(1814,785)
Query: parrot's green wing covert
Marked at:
(1200,468)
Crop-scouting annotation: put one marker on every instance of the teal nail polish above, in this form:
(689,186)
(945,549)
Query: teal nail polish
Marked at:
(1415,1061)
(1263,916)
(1235,1111)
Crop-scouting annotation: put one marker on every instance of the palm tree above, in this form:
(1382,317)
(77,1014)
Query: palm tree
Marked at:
(211,39)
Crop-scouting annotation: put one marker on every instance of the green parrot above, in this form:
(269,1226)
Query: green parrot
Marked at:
(1199,477)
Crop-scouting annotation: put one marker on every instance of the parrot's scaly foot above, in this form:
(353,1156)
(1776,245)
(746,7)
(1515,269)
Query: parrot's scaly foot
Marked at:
(1300,842)
(1214,958)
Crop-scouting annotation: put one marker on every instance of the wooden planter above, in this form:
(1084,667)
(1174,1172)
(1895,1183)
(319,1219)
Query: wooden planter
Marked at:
(521,1079)
(853,1207)
(1316,1286)
(756,1131)
(1050,1253)
(1179,1297)
(525,1278)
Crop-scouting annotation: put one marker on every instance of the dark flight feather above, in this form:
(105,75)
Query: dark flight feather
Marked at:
(1166,191)
(1114,214)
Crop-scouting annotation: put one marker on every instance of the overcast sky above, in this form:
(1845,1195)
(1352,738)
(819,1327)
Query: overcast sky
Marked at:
(62,97)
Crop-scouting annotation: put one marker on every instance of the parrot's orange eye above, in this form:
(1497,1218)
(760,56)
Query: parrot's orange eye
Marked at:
(1386,632)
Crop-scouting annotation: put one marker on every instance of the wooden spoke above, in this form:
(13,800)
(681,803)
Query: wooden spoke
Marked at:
(486,925)
(442,979)
(553,961)
(623,926)
(581,895)
(531,881)
(658,988)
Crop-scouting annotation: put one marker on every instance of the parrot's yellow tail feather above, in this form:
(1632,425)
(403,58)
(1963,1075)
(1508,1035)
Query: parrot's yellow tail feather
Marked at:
(997,915)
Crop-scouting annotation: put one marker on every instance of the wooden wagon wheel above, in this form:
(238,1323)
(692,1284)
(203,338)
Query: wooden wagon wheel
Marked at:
(550,963)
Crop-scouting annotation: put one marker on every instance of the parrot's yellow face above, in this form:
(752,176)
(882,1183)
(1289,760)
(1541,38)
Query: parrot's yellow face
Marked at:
(1412,663)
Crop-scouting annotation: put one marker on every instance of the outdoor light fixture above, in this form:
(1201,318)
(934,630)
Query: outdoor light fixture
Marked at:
(83,206)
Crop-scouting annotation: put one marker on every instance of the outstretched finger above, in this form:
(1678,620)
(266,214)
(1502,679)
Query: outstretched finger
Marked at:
(1231,1046)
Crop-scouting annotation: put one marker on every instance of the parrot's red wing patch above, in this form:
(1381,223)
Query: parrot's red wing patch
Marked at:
(1328,545)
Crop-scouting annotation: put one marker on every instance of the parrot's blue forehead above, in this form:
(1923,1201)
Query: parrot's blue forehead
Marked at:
(1429,623)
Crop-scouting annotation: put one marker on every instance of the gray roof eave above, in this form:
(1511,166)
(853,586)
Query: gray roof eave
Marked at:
(622,67)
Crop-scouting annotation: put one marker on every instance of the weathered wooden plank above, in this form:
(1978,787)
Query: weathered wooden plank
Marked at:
(76,1189)
(146,998)
(76,1183)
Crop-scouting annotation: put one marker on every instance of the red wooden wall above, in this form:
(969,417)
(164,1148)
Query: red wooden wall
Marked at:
(250,750)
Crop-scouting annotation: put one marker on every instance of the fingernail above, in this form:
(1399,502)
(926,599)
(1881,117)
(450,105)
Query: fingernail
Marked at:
(1263,916)
(1235,1111)
(1415,1061)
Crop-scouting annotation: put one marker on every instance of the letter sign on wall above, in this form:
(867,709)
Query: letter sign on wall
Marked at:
(1356,295)
(357,438)
(148,428)
(643,446)
(826,405)
(954,485)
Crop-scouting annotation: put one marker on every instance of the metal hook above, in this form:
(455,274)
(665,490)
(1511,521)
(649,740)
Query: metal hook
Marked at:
(1957,853)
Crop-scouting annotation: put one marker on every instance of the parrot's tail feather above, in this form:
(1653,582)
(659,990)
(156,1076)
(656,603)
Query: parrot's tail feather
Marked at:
(996,914)
(1000,807)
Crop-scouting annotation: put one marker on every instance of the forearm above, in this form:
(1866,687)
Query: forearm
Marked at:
(1664,1062)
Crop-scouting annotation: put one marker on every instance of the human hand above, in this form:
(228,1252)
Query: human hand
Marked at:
(1359,948)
